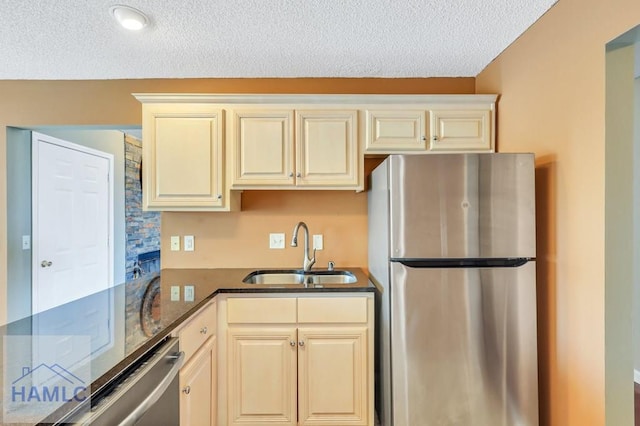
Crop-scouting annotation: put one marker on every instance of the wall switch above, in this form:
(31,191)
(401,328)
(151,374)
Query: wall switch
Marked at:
(26,242)
(189,293)
(175,293)
(317,242)
(276,241)
(189,243)
(175,243)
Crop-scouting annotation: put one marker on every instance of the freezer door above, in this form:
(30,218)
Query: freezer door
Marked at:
(463,346)
(462,206)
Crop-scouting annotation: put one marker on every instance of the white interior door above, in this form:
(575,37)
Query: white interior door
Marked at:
(72,221)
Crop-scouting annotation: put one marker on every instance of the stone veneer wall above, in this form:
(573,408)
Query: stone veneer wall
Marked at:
(142,228)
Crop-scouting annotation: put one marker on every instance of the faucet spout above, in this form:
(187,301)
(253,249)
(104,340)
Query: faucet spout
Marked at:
(308,262)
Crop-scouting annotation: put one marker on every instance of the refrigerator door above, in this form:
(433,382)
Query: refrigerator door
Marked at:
(462,206)
(463,346)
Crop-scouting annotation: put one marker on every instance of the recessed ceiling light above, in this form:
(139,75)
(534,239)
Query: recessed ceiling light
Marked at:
(129,18)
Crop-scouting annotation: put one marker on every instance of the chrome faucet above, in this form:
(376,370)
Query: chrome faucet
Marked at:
(307,262)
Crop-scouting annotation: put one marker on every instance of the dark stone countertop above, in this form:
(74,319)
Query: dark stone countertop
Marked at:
(128,320)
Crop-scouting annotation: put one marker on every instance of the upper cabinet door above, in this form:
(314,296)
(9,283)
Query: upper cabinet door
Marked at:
(461,130)
(262,146)
(327,143)
(182,157)
(395,131)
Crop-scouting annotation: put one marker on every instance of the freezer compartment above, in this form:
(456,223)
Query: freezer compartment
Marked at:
(461,205)
(462,346)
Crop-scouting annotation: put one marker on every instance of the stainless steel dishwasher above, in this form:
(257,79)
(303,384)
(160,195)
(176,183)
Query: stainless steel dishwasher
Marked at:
(146,394)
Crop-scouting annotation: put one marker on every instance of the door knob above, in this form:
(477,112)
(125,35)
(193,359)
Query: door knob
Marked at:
(46,263)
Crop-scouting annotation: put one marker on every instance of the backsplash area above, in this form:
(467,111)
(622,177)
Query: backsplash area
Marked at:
(241,239)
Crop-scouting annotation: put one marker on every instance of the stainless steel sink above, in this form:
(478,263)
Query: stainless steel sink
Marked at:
(293,277)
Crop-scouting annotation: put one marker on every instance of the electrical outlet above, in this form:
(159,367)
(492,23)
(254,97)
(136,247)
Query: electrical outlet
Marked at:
(175,243)
(189,243)
(175,293)
(317,242)
(189,293)
(276,241)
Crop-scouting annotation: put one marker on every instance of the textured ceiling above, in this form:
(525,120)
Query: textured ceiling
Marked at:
(71,39)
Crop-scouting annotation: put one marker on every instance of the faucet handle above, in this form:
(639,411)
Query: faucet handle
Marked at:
(312,261)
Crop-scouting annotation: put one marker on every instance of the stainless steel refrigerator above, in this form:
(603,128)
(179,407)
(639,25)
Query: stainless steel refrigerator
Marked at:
(452,250)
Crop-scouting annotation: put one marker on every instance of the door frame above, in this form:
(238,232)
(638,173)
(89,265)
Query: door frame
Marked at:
(36,137)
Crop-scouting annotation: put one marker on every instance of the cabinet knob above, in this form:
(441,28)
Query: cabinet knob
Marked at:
(424,138)
(292,343)
(290,174)
(298,174)
(46,263)
(204,330)
(301,343)
(434,138)
(219,196)
(187,390)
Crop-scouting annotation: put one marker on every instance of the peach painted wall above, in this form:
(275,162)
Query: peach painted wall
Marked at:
(551,83)
(237,239)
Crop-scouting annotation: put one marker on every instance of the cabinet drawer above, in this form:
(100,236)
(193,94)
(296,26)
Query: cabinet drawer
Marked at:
(198,330)
(332,309)
(261,310)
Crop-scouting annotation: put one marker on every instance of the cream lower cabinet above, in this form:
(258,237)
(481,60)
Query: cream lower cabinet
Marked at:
(197,390)
(295,149)
(198,376)
(262,375)
(310,366)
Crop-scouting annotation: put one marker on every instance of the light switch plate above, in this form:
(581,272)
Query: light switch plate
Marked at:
(175,243)
(276,241)
(26,242)
(175,293)
(189,243)
(189,293)
(317,242)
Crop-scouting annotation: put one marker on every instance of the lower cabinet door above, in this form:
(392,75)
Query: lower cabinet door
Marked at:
(333,386)
(197,387)
(262,376)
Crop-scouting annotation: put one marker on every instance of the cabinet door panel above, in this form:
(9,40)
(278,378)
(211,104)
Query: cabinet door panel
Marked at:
(327,148)
(197,387)
(262,376)
(183,156)
(461,130)
(389,131)
(333,376)
(263,148)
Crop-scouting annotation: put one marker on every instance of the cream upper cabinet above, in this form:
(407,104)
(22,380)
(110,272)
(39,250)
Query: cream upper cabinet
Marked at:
(262,148)
(327,148)
(461,130)
(183,157)
(321,153)
(396,130)
(299,360)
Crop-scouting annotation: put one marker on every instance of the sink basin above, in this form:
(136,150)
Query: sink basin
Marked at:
(292,277)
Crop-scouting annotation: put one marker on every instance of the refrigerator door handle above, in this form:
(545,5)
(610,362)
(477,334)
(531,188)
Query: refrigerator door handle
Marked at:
(463,263)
